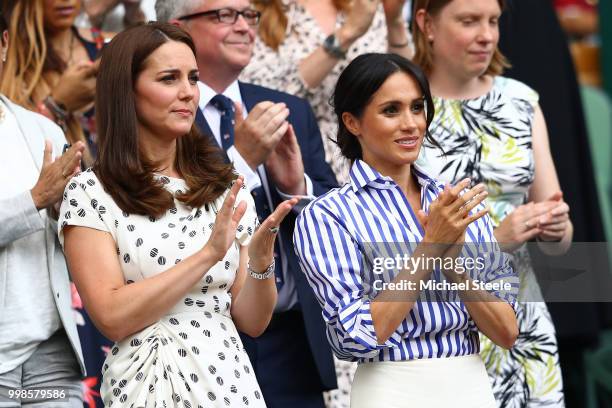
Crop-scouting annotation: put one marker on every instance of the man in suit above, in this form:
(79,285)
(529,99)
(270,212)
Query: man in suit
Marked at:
(273,139)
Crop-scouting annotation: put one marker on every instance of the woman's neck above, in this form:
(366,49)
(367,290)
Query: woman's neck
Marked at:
(161,152)
(61,40)
(450,85)
(402,176)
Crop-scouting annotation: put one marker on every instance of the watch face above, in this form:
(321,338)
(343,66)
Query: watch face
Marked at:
(332,46)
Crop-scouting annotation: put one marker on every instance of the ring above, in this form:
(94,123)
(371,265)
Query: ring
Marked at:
(274,230)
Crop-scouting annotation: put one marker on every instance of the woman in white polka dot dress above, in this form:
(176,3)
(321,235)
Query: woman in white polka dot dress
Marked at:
(156,240)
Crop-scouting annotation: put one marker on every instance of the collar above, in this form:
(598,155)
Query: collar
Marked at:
(362,175)
(207,93)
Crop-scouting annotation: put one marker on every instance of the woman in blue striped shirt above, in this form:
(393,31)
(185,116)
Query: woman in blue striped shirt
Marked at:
(373,250)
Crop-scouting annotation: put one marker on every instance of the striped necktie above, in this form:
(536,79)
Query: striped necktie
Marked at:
(225,106)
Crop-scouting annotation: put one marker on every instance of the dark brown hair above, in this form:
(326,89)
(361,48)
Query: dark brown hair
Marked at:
(3,24)
(357,85)
(125,172)
(422,47)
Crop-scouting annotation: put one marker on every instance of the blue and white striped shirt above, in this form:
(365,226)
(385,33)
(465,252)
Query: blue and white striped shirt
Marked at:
(331,238)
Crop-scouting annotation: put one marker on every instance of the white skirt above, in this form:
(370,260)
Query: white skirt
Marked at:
(435,382)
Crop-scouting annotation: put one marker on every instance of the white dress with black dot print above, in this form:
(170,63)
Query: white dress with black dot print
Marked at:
(193,356)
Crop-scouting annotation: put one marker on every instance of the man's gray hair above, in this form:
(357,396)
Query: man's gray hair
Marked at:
(166,10)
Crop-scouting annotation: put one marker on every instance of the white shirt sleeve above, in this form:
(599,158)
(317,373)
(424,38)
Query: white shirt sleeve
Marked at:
(303,199)
(251,178)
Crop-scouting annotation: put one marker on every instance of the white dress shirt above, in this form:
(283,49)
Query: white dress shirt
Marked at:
(287,296)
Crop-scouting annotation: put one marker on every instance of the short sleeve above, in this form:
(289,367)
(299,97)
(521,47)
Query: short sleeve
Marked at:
(248,222)
(80,207)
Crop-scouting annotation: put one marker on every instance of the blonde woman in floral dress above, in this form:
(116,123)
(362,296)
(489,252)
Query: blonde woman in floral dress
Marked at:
(492,130)
(291,54)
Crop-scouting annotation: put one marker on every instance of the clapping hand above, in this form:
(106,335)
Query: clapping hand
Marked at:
(522,224)
(359,18)
(226,222)
(76,87)
(261,248)
(55,174)
(553,224)
(256,136)
(393,10)
(449,217)
(449,214)
(285,166)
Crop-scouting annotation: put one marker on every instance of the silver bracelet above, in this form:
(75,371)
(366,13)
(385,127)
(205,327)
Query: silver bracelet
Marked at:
(268,273)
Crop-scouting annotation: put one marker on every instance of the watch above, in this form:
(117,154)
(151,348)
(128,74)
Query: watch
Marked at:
(331,45)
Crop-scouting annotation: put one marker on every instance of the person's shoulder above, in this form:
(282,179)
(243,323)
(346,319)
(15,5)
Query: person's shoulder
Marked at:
(27,118)
(85,179)
(272,94)
(514,88)
(87,187)
(330,201)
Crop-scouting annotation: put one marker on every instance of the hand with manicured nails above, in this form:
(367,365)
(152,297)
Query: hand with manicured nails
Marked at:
(455,219)
(55,174)
(449,216)
(256,136)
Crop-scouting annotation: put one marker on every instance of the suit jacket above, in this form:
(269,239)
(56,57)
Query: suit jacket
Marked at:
(308,136)
(35,129)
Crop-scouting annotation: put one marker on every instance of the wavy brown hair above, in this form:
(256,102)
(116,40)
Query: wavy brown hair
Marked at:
(122,167)
(423,55)
(29,58)
(273,23)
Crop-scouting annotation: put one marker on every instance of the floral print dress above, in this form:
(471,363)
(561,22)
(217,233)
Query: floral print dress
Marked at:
(488,139)
(278,69)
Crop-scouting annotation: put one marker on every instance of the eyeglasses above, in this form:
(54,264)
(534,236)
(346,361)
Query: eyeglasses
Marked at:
(228,15)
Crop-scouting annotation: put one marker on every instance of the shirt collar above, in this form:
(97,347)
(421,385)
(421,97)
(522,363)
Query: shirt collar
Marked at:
(207,93)
(362,174)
